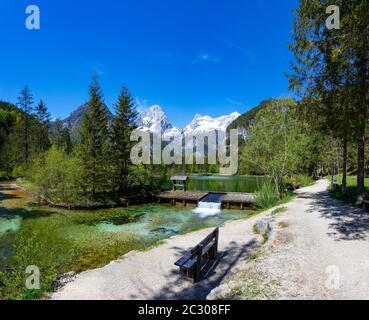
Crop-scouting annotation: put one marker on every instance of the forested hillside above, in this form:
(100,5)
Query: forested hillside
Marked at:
(245,120)
(23,133)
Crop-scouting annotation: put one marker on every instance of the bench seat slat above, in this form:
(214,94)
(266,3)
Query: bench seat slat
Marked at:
(184,259)
(190,263)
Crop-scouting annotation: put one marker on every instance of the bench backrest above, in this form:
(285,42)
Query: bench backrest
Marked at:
(213,236)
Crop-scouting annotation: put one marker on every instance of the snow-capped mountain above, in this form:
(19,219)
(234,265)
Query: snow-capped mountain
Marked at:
(154,120)
(202,124)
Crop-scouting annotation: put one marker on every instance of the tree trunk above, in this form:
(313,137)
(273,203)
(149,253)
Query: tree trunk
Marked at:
(344,165)
(361,168)
(363,112)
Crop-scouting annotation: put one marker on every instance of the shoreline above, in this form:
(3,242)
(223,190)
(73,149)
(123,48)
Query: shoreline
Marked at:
(126,201)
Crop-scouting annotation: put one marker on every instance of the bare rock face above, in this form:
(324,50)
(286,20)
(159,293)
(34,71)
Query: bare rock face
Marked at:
(264,226)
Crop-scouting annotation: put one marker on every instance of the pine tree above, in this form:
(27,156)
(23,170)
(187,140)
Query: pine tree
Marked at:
(42,129)
(60,137)
(42,114)
(25,102)
(66,141)
(123,124)
(55,133)
(94,139)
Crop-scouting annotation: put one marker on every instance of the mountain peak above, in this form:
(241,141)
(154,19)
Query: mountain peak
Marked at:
(202,124)
(155,120)
(155,108)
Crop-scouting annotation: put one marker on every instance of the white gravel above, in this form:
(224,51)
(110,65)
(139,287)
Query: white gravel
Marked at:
(321,249)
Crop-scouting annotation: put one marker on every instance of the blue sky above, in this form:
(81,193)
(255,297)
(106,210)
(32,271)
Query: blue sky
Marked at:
(190,56)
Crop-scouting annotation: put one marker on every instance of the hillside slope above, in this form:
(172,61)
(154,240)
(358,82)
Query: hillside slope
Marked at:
(245,120)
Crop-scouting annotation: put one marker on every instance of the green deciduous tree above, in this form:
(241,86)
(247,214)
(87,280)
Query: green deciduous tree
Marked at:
(273,143)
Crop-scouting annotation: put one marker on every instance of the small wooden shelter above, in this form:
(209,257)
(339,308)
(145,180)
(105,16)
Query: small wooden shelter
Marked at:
(179,183)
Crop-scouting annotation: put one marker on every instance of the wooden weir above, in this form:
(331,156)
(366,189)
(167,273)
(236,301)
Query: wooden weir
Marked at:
(230,200)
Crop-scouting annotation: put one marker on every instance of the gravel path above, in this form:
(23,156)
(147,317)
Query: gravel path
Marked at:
(320,251)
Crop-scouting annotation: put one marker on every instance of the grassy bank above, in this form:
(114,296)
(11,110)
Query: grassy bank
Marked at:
(302,180)
(351,195)
(80,202)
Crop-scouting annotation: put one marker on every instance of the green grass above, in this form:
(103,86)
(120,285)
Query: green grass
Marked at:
(278,211)
(303,180)
(265,235)
(351,189)
(57,242)
(266,196)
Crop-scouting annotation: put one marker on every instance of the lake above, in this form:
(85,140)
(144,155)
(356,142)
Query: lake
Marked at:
(248,184)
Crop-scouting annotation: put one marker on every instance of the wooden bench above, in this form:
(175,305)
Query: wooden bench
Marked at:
(193,262)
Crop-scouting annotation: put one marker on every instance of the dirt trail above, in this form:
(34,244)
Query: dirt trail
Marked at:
(322,250)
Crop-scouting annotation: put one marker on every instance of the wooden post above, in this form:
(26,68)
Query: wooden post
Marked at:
(216,242)
(196,277)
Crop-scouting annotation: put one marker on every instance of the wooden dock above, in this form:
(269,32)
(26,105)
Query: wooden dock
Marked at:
(230,200)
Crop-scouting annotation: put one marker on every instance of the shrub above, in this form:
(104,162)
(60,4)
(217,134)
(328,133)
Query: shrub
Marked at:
(266,196)
(21,171)
(3,175)
(56,176)
(29,251)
